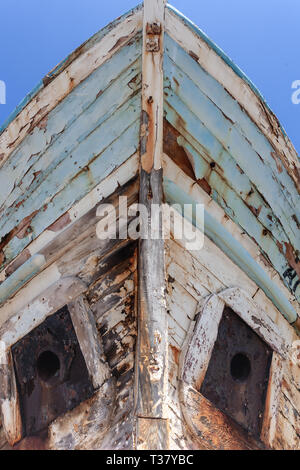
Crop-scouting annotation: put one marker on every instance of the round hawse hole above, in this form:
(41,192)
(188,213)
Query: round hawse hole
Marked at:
(240,367)
(48,365)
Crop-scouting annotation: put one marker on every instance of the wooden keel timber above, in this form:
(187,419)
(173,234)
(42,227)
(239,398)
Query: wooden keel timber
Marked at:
(152,345)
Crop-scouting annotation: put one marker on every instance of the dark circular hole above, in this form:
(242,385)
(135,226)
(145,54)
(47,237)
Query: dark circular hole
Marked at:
(48,365)
(240,367)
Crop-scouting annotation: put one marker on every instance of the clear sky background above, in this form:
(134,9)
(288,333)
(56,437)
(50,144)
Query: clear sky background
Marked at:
(261,36)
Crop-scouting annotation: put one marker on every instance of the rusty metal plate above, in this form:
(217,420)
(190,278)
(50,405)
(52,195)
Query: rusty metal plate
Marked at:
(237,377)
(51,373)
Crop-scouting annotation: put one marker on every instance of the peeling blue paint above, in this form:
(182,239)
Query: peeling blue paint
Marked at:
(29,269)
(234,250)
(64,63)
(224,56)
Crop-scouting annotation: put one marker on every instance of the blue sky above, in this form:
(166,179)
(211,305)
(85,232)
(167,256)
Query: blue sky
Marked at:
(261,36)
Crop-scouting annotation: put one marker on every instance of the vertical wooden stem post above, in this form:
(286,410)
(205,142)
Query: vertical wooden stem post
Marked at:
(152,426)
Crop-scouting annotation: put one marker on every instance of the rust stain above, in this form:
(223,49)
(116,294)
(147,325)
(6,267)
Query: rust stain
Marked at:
(154,28)
(176,82)
(294,217)
(60,223)
(26,228)
(296,173)
(194,56)
(16,140)
(254,210)
(279,246)
(35,120)
(148,158)
(297,325)
(265,261)
(240,169)
(35,175)
(119,42)
(46,80)
(176,353)
(180,122)
(292,259)
(71,84)
(278,164)
(43,123)
(205,185)
(230,120)
(175,151)
(148,134)
(60,380)
(19,204)
(2,257)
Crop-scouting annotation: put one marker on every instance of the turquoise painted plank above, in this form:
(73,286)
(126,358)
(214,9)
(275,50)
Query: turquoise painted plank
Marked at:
(240,183)
(69,164)
(206,148)
(65,62)
(234,206)
(30,268)
(70,139)
(112,157)
(239,148)
(22,105)
(224,56)
(36,152)
(229,106)
(234,250)
(242,216)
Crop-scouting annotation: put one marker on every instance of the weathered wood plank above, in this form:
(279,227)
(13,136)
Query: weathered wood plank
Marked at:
(113,300)
(222,268)
(234,250)
(152,94)
(91,103)
(176,333)
(152,347)
(69,165)
(212,429)
(173,172)
(117,179)
(290,413)
(10,409)
(200,343)
(33,289)
(152,343)
(220,67)
(256,318)
(115,37)
(286,437)
(85,181)
(249,210)
(218,95)
(195,273)
(84,427)
(272,401)
(38,308)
